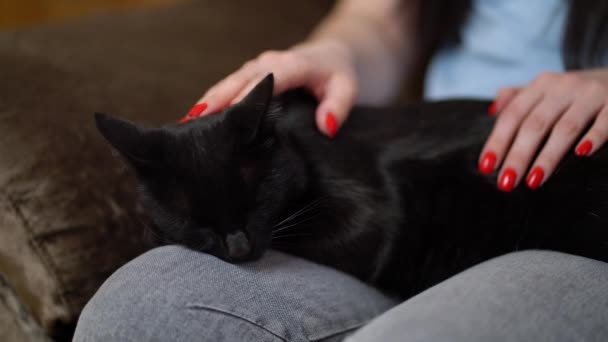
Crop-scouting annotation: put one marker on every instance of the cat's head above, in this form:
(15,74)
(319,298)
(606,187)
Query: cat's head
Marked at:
(198,180)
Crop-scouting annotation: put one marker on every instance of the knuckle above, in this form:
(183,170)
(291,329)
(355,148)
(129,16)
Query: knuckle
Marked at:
(497,142)
(210,90)
(291,58)
(595,88)
(230,81)
(547,158)
(353,92)
(269,56)
(597,133)
(504,92)
(273,59)
(288,56)
(561,93)
(516,159)
(572,80)
(346,98)
(514,111)
(535,123)
(248,65)
(217,88)
(350,86)
(546,77)
(568,127)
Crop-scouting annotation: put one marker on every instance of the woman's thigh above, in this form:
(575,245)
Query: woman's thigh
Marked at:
(523,296)
(174,294)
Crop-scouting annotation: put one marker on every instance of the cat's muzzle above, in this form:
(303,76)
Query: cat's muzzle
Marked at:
(239,247)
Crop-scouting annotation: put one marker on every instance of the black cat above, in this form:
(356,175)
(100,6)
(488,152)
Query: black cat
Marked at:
(394,199)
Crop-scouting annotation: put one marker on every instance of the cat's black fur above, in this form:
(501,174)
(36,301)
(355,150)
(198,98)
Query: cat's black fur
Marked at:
(394,199)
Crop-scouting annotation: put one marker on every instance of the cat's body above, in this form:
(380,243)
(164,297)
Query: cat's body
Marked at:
(394,199)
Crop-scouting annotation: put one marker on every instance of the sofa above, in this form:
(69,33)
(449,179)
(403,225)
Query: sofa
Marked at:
(68,212)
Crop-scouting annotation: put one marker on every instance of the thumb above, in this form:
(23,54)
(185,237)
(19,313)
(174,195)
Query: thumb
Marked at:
(337,100)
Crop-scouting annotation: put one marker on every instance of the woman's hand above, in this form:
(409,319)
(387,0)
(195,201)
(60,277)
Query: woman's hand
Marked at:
(554,106)
(324,67)
(358,51)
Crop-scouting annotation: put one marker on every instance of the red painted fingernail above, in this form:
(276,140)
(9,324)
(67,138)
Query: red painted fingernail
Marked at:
(486,164)
(507,180)
(331,125)
(584,148)
(184,119)
(535,178)
(492,109)
(197,110)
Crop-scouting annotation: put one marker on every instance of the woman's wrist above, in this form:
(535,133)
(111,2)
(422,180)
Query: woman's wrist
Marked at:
(374,43)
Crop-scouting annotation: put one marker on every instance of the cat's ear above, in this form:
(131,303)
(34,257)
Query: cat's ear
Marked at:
(249,113)
(139,145)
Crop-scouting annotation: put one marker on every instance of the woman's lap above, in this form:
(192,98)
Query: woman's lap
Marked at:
(171,293)
(174,294)
(523,296)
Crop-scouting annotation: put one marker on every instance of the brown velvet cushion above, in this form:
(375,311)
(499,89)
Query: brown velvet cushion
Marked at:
(67,211)
(16,323)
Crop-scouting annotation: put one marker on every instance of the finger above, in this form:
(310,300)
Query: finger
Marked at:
(247,88)
(529,138)
(219,96)
(503,97)
(595,137)
(338,97)
(564,134)
(506,127)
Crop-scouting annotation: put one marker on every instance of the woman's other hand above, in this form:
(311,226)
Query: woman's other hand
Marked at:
(557,107)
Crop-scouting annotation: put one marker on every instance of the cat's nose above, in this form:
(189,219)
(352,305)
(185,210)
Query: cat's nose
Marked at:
(238,246)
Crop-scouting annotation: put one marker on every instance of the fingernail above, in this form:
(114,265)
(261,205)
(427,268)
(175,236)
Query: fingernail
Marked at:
(331,125)
(507,180)
(184,119)
(584,148)
(535,178)
(492,109)
(486,164)
(197,110)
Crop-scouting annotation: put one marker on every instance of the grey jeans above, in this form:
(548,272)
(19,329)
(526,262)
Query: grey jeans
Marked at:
(173,294)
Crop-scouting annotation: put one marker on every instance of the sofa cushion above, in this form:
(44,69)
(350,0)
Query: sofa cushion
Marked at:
(68,215)
(16,323)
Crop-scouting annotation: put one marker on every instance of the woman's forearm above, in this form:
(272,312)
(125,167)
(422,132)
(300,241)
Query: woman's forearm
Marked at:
(379,37)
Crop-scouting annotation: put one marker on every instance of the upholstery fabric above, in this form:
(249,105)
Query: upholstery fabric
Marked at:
(68,215)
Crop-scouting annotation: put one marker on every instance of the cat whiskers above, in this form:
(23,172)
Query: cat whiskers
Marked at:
(306,209)
(276,237)
(296,225)
(292,226)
